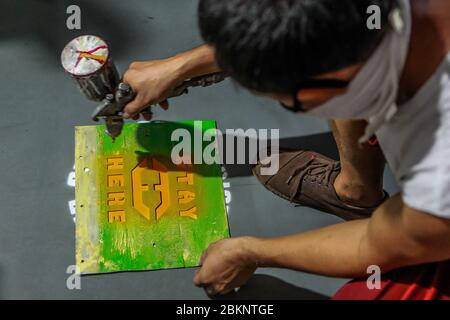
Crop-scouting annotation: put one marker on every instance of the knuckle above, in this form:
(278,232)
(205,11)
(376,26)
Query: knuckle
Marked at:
(128,75)
(217,289)
(221,289)
(133,108)
(134,65)
(198,280)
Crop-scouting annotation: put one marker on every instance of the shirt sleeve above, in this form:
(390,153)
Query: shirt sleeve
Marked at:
(426,187)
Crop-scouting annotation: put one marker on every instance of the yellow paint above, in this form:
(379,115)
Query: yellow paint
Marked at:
(116,190)
(116,199)
(88,251)
(167,183)
(191,213)
(117,180)
(116,216)
(139,188)
(163,188)
(142,213)
(92,56)
(185,197)
(188,178)
(115,163)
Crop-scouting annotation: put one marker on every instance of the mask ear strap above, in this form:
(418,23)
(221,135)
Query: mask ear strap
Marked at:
(397,20)
(298,105)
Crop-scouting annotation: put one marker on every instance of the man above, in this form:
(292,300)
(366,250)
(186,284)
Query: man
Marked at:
(321,57)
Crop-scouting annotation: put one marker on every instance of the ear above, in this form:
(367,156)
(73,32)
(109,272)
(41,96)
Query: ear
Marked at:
(319,94)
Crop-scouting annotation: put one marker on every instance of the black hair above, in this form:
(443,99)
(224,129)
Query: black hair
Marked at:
(274,45)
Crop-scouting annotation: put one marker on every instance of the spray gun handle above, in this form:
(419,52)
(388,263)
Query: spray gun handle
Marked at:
(123,96)
(114,104)
(202,81)
(125,93)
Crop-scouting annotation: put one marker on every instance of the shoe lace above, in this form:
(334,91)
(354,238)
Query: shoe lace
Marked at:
(317,169)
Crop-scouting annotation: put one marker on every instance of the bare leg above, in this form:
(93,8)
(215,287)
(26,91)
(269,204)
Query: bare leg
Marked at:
(360,182)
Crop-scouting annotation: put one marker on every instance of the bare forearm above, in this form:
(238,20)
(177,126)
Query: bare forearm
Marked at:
(197,62)
(394,237)
(331,251)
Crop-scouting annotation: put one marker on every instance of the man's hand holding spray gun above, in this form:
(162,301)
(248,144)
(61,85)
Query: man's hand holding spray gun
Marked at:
(88,60)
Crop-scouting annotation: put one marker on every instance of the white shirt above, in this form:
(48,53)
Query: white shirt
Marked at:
(416,143)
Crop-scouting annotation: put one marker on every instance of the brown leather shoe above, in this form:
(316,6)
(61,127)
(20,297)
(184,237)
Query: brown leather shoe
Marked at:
(307,178)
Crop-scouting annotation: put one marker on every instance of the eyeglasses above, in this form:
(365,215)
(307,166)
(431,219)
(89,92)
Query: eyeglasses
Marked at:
(314,84)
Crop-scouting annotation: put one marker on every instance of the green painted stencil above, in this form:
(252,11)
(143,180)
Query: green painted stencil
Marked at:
(136,209)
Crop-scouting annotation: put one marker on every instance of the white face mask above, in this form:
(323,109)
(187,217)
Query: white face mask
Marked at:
(373,92)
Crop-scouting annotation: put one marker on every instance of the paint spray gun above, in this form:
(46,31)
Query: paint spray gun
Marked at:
(88,60)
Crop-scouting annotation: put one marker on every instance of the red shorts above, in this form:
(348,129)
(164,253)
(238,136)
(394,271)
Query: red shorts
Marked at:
(422,282)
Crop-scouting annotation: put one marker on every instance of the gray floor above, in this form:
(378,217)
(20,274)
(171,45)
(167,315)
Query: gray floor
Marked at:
(40,107)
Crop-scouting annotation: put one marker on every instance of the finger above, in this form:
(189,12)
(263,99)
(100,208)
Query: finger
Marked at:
(198,281)
(147,116)
(164,104)
(203,257)
(135,65)
(133,108)
(227,291)
(211,291)
(147,113)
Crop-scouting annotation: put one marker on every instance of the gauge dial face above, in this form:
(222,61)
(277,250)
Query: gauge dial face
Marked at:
(85,55)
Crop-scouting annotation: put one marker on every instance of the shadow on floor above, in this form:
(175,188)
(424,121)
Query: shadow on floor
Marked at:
(268,287)
(1,283)
(322,143)
(44,22)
